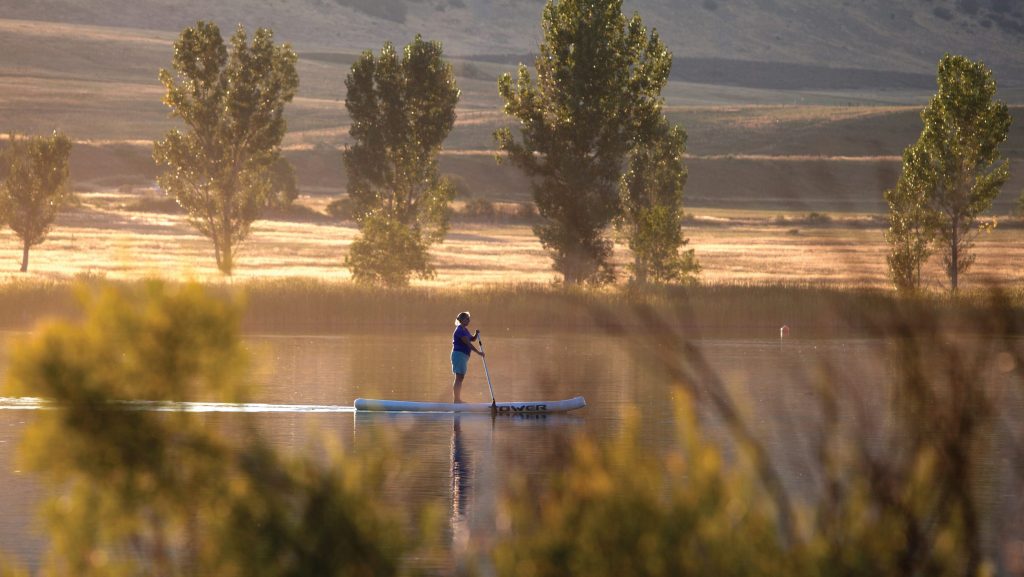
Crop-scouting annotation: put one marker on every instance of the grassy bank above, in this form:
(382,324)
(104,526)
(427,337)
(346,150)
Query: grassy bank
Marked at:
(746,311)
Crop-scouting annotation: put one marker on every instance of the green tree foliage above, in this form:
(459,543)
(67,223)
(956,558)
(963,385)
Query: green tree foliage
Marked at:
(597,90)
(224,169)
(652,209)
(387,253)
(955,161)
(911,225)
(402,109)
(283,188)
(35,188)
(165,493)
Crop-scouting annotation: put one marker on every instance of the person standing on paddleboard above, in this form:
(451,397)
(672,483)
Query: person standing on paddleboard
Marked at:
(462,346)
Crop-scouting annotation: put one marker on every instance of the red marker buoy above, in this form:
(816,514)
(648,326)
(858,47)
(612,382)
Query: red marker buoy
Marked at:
(784,331)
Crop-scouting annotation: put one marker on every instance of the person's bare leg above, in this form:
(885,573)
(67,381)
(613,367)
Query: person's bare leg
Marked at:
(457,388)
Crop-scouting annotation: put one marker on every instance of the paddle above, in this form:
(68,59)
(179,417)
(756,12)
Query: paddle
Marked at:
(494,405)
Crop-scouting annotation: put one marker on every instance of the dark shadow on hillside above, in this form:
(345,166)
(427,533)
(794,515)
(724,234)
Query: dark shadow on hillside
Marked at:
(768,75)
(115,221)
(785,76)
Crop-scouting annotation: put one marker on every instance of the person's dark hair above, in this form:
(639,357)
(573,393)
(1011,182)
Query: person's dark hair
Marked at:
(464,315)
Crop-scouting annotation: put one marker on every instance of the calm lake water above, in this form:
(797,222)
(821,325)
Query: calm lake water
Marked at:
(462,464)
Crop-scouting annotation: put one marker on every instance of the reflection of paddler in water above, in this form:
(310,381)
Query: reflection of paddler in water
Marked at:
(460,486)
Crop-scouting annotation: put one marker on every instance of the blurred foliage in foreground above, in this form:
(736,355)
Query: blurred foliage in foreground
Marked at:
(895,488)
(141,492)
(616,510)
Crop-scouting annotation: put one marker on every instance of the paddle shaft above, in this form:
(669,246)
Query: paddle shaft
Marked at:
(486,373)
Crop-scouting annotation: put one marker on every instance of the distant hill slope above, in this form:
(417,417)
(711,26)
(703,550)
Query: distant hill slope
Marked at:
(711,39)
(794,104)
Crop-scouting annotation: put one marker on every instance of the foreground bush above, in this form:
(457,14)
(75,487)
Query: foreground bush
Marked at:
(894,487)
(617,511)
(141,492)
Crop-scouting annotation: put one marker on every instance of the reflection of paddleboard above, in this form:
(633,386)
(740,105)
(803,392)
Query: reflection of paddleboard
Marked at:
(502,408)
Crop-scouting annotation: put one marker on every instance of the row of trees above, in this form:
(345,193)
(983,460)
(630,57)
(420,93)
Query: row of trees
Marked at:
(591,134)
(594,138)
(223,170)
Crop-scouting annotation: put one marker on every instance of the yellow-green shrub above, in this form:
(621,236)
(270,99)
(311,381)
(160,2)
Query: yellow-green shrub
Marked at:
(141,492)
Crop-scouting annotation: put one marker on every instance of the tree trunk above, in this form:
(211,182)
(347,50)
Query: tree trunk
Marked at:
(640,270)
(570,267)
(24,257)
(222,250)
(954,261)
(570,278)
(216,249)
(225,263)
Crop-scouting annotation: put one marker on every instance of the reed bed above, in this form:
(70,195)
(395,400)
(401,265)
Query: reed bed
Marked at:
(719,310)
(305,306)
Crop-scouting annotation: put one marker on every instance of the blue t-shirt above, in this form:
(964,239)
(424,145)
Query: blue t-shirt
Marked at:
(457,344)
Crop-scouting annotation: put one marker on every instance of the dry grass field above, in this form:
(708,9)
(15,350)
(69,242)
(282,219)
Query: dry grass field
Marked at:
(102,238)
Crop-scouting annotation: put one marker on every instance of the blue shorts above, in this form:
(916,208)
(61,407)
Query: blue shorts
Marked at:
(460,362)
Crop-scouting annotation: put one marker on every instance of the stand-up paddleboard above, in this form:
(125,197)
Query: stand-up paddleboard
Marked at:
(501,408)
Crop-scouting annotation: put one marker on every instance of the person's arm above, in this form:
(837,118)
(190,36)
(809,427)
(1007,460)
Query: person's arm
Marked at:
(466,341)
(475,335)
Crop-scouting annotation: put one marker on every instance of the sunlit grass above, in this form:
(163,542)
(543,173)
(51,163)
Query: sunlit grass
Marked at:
(745,310)
(761,269)
(103,238)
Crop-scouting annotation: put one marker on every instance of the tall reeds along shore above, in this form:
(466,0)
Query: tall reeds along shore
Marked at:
(307,306)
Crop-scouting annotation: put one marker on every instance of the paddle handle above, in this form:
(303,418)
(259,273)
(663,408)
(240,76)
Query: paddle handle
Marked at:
(486,372)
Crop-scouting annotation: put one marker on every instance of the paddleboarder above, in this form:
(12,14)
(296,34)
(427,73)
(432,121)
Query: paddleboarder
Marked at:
(462,347)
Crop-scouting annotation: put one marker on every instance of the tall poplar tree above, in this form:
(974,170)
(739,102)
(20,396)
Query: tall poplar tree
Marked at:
(222,169)
(35,187)
(955,161)
(597,89)
(402,109)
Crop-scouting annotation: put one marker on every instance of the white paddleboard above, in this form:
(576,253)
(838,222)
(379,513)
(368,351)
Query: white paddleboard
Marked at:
(515,408)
